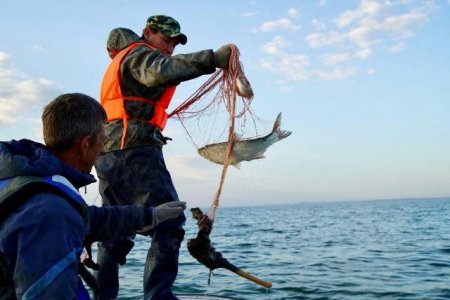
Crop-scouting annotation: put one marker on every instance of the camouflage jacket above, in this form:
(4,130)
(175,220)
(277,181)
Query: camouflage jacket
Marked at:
(147,73)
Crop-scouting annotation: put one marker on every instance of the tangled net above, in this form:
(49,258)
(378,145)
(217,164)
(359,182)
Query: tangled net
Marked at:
(226,92)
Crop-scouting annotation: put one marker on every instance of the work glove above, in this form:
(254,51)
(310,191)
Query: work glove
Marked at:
(166,211)
(161,213)
(222,57)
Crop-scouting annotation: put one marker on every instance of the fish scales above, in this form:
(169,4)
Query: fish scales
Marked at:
(244,150)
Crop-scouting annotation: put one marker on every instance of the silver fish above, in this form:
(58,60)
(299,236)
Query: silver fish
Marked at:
(248,149)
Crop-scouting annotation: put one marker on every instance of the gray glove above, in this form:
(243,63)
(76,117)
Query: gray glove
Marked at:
(167,211)
(222,57)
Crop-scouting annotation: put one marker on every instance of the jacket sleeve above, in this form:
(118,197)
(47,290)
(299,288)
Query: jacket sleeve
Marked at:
(153,70)
(43,242)
(116,221)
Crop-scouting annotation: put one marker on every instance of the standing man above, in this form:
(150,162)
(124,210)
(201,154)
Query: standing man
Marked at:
(44,222)
(136,91)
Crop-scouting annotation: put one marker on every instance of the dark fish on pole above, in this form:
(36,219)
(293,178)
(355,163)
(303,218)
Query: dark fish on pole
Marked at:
(246,149)
(201,249)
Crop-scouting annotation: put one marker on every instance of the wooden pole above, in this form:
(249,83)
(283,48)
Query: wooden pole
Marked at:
(253,278)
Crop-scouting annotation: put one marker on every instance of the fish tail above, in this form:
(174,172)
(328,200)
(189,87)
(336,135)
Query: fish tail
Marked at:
(281,134)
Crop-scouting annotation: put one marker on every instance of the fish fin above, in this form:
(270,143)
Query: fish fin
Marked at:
(277,124)
(281,134)
(237,166)
(260,157)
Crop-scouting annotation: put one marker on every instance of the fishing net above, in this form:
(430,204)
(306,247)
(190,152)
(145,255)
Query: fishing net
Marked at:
(220,110)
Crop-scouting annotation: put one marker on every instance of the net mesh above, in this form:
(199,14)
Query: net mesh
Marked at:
(220,110)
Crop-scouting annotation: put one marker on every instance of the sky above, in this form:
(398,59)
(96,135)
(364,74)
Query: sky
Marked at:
(363,85)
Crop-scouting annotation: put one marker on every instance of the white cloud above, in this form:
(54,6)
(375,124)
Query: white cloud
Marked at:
(293,66)
(4,58)
(373,23)
(363,53)
(371,71)
(403,24)
(338,73)
(318,25)
(318,40)
(336,58)
(19,94)
(297,67)
(292,12)
(397,47)
(37,48)
(361,36)
(355,34)
(367,8)
(283,23)
(275,46)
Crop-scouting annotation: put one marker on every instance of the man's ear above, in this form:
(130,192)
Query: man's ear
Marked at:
(146,32)
(85,143)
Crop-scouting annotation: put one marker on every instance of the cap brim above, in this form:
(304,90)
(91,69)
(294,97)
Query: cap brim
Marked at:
(180,37)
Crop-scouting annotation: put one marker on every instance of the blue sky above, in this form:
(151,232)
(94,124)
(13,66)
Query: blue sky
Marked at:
(363,85)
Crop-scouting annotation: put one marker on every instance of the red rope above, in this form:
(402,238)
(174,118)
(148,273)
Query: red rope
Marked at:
(226,81)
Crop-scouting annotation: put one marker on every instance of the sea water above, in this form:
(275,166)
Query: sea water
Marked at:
(386,249)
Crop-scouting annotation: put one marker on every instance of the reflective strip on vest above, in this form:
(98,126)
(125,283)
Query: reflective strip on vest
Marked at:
(45,280)
(113,101)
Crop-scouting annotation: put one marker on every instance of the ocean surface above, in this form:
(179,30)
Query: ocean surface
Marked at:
(386,249)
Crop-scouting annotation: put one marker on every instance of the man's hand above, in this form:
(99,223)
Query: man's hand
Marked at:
(164,212)
(167,211)
(222,57)
(161,213)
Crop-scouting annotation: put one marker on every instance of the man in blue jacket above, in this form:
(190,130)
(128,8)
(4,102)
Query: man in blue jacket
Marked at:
(44,222)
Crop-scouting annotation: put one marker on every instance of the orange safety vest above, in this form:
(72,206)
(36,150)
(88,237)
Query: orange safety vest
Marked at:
(113,101)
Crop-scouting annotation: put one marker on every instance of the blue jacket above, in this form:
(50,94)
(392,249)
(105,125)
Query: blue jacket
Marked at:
(42,237)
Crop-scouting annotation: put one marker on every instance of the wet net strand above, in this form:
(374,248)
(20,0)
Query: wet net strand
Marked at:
(225,83)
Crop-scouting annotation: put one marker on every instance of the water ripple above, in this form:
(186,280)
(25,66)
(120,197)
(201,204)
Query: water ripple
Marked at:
(395,249)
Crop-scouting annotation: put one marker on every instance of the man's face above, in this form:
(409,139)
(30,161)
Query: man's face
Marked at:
(94,148)
(164,44)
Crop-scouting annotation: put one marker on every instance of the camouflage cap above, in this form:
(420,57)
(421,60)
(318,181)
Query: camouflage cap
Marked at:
(168,26)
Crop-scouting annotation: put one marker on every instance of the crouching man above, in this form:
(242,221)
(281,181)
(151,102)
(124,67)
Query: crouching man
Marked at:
(44,222)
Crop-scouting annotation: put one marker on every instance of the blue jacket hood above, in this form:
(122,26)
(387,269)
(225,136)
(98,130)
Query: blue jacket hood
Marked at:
(28,158)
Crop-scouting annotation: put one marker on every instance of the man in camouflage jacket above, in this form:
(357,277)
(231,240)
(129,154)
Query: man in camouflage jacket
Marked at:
(132,169)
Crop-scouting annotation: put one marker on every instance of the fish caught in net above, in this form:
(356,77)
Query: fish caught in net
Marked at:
(220,110)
